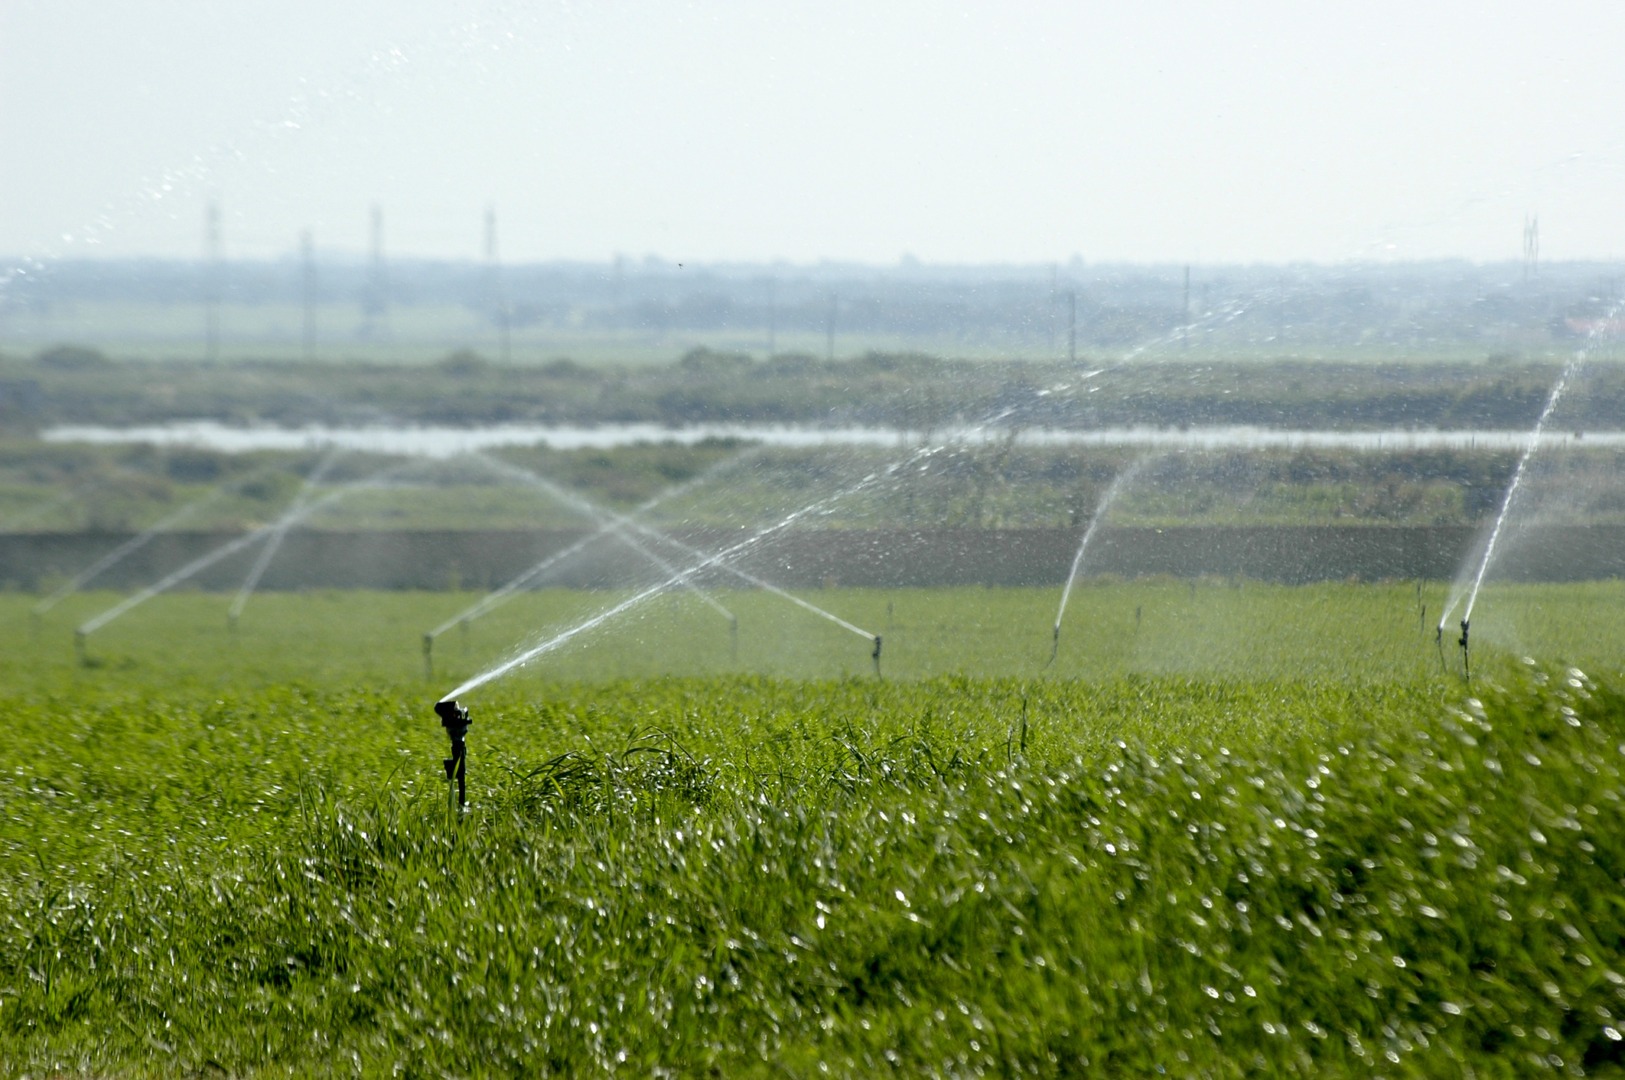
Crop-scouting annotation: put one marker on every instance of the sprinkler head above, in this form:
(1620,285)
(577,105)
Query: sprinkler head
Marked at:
(875,656)
(454,718)
(1463,641)
(452,715)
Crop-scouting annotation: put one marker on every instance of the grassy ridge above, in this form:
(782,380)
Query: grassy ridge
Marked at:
(1216,868)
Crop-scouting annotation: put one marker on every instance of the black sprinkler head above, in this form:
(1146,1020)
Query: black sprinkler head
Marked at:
(451,715)
(454,718)
(1463,641)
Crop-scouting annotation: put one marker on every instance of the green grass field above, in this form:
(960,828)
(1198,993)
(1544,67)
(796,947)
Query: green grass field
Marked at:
(1232,830)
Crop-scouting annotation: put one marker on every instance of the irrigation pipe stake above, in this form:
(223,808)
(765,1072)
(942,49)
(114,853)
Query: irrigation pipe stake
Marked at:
(1466,658)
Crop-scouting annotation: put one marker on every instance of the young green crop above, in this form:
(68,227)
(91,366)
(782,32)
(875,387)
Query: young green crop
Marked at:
(1243,861)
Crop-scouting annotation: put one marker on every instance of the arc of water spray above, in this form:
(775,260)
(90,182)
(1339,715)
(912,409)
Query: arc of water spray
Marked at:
(1122,480)
(203,562)
(279,533)
(765,585)
(558,640)
(138,541)
(1508,499)
(623,524)
(671,571)
(500,595)
(618,524)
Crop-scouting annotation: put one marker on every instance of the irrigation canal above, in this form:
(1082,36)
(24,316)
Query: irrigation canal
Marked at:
(450,441)
(900,558)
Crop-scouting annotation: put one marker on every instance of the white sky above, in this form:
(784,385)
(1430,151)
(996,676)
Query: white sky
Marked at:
(998,131)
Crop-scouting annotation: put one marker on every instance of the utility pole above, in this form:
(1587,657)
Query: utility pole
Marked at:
(1054,295)
(772,317)
(1531,247)
(829,327)
(618,290)
(307,281)
(376,300)
(1072,326)
(496,295)
(211,287)
(1185,323)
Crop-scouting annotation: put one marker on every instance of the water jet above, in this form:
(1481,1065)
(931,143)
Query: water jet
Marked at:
(203,562)
(279,532)
(719,559)
(1122,480)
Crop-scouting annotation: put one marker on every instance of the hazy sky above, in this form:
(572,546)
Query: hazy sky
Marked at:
(996,131)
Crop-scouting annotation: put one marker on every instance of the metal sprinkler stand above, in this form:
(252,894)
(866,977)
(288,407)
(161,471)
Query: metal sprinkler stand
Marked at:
(428,660)
(454,718)
(876,656)
(1466,658)
(1054,645)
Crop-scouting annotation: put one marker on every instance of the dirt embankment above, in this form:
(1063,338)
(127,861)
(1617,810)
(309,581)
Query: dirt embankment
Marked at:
(892,558)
